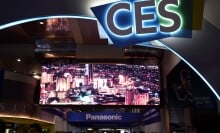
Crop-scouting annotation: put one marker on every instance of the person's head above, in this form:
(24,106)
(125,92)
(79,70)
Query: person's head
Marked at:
(34,128)
(52,94)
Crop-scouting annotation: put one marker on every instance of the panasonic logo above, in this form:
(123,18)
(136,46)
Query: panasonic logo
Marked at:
(115,117)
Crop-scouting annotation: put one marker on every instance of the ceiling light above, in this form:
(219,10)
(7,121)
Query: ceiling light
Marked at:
(55,25)
(18,60)
(34,73)
(41,22)
(48,55)
(36,76)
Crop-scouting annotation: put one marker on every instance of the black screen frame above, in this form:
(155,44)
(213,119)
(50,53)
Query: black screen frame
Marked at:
(139,62)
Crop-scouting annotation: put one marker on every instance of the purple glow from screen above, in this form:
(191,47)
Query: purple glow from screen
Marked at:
(100,84)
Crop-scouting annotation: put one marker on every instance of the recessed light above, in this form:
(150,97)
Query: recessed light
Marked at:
(37,76)
(34,73)
(18,60)
(48,55)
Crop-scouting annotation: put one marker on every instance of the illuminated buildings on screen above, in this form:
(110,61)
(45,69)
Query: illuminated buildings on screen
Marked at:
(134,83)
(134,98)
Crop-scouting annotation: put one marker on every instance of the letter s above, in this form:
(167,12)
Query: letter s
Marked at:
(170,15)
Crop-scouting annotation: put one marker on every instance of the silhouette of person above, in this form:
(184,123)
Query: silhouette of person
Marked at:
(34,128)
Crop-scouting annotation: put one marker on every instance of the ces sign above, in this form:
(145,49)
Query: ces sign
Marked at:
(140,17)
(129,22)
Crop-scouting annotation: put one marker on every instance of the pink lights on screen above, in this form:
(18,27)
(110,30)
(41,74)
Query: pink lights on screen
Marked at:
(100,84)
(57,25)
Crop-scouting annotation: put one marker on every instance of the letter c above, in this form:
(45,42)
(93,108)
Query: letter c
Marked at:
(110,19)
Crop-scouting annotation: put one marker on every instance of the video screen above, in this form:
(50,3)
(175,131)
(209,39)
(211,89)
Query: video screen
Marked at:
(100,84)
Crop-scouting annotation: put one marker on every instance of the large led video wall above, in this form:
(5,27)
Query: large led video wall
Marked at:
(100,84)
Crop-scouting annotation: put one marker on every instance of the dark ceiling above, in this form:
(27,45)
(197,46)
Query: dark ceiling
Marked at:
(79,41)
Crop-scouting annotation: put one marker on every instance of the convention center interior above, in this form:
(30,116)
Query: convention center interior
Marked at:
(64,73)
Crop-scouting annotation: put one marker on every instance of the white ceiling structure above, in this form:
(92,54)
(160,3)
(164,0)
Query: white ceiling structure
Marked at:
(211,12)
(201,52)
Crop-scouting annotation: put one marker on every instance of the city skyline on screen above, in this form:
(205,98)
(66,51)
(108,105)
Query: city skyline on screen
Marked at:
(100,84)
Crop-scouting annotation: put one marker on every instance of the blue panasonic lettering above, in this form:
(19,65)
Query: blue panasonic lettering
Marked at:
(115,117)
